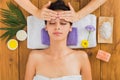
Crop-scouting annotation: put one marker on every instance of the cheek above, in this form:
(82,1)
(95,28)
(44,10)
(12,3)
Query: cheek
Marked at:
(66,28)
(66,31)
(48,27)
(49,30)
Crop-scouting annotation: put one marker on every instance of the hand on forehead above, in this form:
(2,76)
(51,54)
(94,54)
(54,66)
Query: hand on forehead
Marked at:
(58,19)
(66,15)
(59,16)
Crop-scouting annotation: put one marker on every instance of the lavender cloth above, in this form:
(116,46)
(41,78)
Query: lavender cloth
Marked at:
(72,38)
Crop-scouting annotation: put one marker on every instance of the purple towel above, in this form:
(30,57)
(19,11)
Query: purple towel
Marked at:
(72,38)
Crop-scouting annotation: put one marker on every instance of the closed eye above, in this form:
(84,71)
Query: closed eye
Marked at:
(52,23)
(63,23)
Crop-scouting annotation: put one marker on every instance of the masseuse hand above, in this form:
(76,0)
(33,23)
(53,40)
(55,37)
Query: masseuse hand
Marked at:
(45,13)
(71,15)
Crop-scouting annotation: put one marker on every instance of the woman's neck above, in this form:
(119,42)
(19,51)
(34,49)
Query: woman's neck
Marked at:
(58,48)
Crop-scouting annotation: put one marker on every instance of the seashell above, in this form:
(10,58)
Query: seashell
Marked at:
(106,30)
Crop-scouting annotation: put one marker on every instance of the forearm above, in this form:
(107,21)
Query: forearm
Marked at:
(90,7)
(27,5)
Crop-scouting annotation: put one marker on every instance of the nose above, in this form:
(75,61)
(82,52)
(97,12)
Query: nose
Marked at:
(57,26)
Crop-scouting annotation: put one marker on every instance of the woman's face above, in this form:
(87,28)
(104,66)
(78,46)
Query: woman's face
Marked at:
(58,29)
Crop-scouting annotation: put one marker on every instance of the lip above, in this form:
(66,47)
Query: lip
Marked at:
(57,33)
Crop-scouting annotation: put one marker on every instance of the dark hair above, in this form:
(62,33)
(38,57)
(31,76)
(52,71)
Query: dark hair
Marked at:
(59,5)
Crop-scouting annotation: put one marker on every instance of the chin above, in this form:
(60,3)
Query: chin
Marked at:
(60,38)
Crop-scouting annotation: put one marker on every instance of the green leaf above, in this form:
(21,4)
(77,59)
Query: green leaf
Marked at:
(16,10)
(4,28)
(12,35)
(14,19)
(5,35)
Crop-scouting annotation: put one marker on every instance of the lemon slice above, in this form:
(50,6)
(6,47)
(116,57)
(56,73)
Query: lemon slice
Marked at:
(12,44)
(21,35)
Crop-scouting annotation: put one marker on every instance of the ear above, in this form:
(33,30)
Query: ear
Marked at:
(45,28)
(70,28)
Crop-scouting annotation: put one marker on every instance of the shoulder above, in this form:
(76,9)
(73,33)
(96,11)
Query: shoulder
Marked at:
(82,57)
(82,54)
(85,68)
(35,55)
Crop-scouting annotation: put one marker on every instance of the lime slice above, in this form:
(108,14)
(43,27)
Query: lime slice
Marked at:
(21,35)
(12,44)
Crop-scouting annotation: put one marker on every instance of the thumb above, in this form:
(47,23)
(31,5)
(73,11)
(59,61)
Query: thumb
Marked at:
(70,6)
(47,5)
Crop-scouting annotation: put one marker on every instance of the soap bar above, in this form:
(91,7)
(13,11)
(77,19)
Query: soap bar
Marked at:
(102,55)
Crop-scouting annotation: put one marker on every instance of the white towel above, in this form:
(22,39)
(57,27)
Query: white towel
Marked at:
(34,26)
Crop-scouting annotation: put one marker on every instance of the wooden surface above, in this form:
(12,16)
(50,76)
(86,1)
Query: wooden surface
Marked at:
(9,64)
(12,63)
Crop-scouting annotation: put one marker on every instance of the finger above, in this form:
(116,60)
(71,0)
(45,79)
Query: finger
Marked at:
(64,12)
(50,14)
(47,5)
(50,11)
(67,18)
(66,15)
(70,6)
(45,16)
